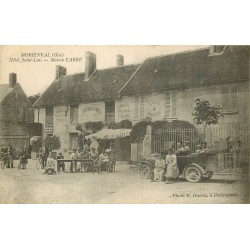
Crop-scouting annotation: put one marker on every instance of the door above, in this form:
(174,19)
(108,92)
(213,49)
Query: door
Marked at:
(73,139)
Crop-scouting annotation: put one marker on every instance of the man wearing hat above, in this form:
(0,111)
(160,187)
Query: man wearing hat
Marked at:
(186,147)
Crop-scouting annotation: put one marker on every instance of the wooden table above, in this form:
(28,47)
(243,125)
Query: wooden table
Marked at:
(79,160)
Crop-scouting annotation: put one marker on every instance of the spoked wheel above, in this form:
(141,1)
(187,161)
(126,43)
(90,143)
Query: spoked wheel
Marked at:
(2,164)
(193,174)
(38,163)
(145,171)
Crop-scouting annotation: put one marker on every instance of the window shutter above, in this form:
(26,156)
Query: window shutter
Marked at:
(141,106)
(167,105)
(225,99)
(173,99)
(136,110)
(234,103)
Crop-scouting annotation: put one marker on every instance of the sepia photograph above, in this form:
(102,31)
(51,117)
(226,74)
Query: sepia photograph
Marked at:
(124,124)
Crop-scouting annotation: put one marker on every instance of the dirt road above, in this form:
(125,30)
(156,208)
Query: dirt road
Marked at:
(123,186)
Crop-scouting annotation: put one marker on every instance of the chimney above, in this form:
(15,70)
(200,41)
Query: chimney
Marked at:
(60,71)
(211,49)
(119,60)
(90,64)
(216,49)
(12,80)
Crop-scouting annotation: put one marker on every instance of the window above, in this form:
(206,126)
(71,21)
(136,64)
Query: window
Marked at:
(49,116)
(38,114)
(139,107)
(74,111)
(73,141)
(141,98)
(170,105)
(21,113)
(136,110)
(229,99)
(110,111)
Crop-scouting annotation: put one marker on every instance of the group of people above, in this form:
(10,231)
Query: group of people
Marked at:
(168,167)
(105,160)
(8,157)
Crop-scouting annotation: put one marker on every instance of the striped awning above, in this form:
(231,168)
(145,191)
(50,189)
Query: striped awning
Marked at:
(110,134)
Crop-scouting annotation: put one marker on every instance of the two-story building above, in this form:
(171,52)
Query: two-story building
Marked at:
(165,87)
(78,98)
(162,88)
(15,114)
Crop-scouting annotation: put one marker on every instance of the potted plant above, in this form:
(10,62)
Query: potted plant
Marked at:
(52,143)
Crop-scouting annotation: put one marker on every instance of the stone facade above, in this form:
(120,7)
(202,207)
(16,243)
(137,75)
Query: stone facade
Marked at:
(15,113)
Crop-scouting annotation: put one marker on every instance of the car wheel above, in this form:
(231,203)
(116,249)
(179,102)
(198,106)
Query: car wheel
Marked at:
(193,174)
(145,171)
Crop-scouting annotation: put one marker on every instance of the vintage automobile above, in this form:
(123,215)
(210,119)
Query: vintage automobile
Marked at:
(194,167)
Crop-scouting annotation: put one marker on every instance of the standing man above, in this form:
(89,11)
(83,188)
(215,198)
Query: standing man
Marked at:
(94,144)
(44,152)
(86,148)
(60,165)
(73,165)
(9,153)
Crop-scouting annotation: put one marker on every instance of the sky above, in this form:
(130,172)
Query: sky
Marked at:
(35,77)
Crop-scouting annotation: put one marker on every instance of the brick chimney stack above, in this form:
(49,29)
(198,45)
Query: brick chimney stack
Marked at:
(90,64)
(12,80)
(119,60)
(60,71)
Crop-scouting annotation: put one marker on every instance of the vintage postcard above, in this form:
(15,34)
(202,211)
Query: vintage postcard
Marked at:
(124,124)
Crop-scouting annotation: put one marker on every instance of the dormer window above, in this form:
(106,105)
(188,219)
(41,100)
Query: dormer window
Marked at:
(216,49)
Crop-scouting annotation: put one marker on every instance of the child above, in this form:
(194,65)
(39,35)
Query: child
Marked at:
(23,159)
(172,168)
(50,166)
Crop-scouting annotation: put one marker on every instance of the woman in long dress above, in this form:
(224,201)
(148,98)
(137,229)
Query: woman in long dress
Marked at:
(159,169)
(172,168)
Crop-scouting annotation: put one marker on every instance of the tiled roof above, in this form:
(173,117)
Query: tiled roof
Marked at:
(73,89)
(191,68)
(4,91)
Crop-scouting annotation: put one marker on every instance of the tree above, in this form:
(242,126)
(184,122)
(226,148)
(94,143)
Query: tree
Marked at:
(206,114)
(52,142)
(33,98)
